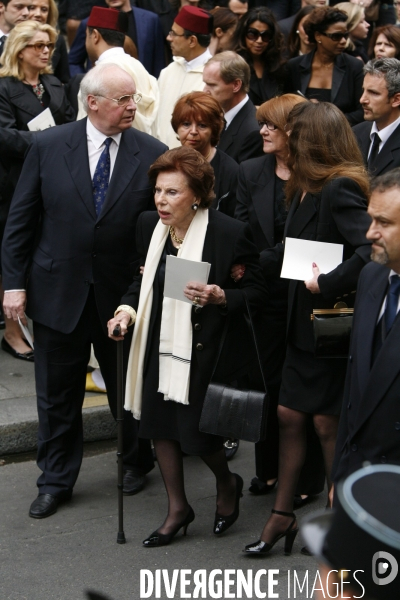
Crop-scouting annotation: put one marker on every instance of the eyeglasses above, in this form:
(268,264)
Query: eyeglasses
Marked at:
(173,33)
(336,37)
(253,35)
(40,46)
(270,126)
(124,100)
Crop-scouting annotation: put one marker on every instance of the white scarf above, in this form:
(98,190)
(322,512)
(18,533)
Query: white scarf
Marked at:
(176,327)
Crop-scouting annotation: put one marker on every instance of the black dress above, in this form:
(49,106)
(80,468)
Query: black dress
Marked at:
(169,420)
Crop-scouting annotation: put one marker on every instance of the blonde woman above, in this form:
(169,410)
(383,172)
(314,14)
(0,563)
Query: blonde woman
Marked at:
(46,12)
(358,28)
(27,88)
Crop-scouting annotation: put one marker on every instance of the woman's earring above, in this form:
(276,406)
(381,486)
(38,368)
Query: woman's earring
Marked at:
(195,206)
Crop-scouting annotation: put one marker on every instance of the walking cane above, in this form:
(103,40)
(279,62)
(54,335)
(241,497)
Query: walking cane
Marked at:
(120,434)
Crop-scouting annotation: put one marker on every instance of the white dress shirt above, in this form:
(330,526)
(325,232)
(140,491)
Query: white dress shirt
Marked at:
(231,114)
(384,134)
(95,142)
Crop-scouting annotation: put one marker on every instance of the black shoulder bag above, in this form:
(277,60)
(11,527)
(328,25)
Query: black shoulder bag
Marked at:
(234,413)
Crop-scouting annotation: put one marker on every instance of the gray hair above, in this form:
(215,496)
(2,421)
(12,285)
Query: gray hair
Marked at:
(94,82)
(232,67)
(387,181)
(389,69)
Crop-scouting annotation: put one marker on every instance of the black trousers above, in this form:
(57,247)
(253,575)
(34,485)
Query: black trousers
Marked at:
(60,368)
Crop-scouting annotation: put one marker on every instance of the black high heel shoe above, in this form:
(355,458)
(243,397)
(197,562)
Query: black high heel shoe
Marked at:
(163,539)
(222,523)
(289,534)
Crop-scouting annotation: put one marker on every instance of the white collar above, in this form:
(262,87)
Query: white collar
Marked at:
(393,273)
(110,52)
(196,63)
(384,133)
(2,33)
(231,114)
(97,138)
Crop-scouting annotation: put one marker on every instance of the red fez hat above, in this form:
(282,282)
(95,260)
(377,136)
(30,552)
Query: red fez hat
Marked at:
(194,19)
(105,18)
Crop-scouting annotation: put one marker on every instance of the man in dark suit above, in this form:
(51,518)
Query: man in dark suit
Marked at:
(144,29)
(285,25)
(71,227)
(227,78)
(369,428)
(379,135)
(11,13)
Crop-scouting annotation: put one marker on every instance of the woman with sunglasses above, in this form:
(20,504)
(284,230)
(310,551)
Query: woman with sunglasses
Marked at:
(327,74)
(260,42)
(27,88)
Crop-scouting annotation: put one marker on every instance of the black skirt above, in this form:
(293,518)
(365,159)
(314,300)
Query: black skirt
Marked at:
(312,385)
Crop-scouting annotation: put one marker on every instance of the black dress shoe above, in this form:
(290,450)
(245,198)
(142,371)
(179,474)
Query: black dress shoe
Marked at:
(259,488)
(221,522)
(231,447)
(299,502)
(133,483)
(25,356)
(43,506)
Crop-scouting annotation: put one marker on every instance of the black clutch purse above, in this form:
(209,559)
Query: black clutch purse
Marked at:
(235,413)
(332,330)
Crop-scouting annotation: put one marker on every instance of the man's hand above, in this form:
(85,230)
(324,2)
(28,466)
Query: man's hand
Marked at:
(312,284)
(14,304)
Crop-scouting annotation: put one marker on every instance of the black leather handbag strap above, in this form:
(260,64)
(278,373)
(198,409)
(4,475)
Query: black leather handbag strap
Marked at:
(224,333)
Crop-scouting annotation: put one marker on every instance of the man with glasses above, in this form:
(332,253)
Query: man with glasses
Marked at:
(105,44)
(72,227)
(189,39)
(226,77)
(11,13)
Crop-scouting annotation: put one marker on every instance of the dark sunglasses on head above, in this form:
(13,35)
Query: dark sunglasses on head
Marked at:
(336,37)
(253,35)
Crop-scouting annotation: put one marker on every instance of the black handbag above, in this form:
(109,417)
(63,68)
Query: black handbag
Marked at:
(332,330)
(234,413)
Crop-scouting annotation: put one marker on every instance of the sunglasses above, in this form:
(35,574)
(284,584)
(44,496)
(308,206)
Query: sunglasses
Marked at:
(253,35)
(336,37)
(40,46)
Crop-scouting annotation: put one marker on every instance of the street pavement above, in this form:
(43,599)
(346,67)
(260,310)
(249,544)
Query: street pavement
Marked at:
(60,557)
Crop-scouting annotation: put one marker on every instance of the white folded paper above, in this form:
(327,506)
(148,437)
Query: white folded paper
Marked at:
(179,272)
(26,333)
(300,255)
(42,121)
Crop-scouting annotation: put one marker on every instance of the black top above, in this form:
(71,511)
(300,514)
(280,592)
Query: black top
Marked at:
(280,210)
(226,172)
(132,33)
(320,94)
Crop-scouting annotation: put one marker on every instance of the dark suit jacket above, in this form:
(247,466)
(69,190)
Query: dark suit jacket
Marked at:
(285,25)
(150,44)
(227,242)
(75,247)
(256,205)
(59,60)
(242,139)
(226,172)
(388,158)
(369,427)
(347,82)
(18,106)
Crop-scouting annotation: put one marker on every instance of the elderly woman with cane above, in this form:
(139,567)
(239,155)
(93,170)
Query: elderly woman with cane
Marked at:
(173,351)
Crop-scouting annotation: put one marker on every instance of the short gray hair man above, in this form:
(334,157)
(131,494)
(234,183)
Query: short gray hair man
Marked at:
(389,69)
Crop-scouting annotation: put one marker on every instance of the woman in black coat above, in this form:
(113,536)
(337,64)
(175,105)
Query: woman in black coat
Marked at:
(327,189)
(328,74)
(175,344)
(198,120)
(27,88)
(260,42)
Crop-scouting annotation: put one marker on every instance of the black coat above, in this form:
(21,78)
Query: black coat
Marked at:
(226,172)
(227,242)
(242,139)
(59,60)
(388,158)
(75,247)
(347,82)
(369,427)
(18,106)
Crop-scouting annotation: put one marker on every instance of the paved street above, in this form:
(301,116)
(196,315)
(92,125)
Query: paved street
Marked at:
(59,557)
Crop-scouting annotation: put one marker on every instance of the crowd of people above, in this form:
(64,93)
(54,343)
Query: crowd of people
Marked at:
(213,132)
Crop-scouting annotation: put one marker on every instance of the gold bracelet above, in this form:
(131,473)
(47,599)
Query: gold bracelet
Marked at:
(128,309)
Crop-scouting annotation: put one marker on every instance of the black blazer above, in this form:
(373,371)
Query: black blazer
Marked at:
(75,247)
(388,158)
(18,106)
(227,242)
(347,82)
(369,427)
(59,60)
(255,205)
(226,172)
(242,139)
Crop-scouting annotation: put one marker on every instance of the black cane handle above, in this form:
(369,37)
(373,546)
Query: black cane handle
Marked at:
(117,330)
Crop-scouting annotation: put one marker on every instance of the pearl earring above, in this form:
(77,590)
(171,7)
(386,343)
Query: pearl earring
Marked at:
(195,206)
